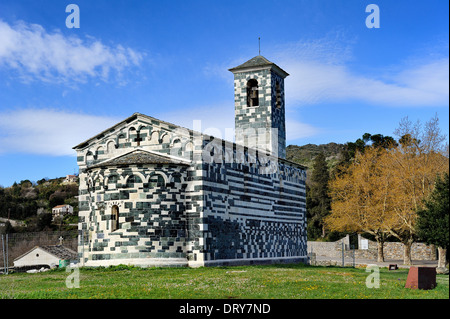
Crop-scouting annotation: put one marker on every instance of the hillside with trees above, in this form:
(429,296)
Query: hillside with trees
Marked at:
(306,154)
(32,202)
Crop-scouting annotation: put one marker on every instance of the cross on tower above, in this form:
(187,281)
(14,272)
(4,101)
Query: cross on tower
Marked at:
(259,45)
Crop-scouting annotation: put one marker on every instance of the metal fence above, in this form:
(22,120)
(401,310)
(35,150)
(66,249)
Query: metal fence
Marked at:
(340,255)
(16,244)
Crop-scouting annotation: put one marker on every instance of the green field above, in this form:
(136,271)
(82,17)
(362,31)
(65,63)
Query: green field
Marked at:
(251,282)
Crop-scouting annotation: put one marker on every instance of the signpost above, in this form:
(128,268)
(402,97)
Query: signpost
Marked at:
(364,244)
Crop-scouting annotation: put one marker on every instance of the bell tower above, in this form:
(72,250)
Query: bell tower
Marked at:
(259,105)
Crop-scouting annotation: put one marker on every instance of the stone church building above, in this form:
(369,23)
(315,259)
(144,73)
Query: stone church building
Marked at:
(156,194)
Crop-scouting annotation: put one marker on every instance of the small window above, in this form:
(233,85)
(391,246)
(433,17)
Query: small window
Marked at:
(114,218)
(252,93)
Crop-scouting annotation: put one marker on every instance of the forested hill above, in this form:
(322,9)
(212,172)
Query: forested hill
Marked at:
(306,154)
(25,199)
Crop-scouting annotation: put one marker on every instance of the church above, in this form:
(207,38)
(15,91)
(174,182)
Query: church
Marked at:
(156,194)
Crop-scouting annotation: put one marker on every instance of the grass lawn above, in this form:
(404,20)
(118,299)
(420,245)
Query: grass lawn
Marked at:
(250,282)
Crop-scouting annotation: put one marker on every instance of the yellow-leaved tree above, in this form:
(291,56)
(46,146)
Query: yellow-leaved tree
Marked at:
(382,189)
(361,195)
(414,165)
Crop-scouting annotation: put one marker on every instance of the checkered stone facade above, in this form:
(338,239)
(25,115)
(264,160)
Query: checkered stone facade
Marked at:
(151,204)
(156,194)
(252,216)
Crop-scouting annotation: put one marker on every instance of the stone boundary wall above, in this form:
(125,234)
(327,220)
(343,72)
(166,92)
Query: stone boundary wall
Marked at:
(392,250)
(328,249)
(419,251)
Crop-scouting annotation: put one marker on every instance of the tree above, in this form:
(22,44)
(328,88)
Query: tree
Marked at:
(8,229)
(350,150)
(360,195)
(433,219)
(413,166)
(318,199)
(44,221)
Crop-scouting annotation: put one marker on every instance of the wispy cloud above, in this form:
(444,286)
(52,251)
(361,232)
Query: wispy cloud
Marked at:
(55,132)
(35,53)
(296,129)
(48,132)
(320,72)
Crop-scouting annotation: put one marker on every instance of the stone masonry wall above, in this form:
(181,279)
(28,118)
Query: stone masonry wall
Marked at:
(251,211)
(152,221)
(246,207)
(264,121)
(392,250)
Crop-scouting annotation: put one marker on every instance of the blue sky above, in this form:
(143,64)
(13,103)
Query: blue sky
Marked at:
(170,60)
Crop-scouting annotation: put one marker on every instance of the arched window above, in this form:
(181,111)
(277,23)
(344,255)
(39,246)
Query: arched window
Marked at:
(252,93)
(89,157)
(165,138)
(154,137)
(114,218)
(111,147)
(176,148)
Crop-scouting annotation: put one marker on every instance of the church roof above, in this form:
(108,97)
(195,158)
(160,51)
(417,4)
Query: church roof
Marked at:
(58,251)
(140,156)
(129,119)
(258,62)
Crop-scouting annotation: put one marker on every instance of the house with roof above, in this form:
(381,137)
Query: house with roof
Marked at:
(70,179)
(152,193)
(61,210)
(48,256)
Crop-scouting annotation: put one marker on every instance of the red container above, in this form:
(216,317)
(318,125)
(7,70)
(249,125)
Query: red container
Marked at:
(421,278)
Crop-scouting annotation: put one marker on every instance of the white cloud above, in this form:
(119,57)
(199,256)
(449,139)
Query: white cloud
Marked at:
(313,82)
(319,72)
(37,54)
(55,132)
(296,130)
(48,132)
